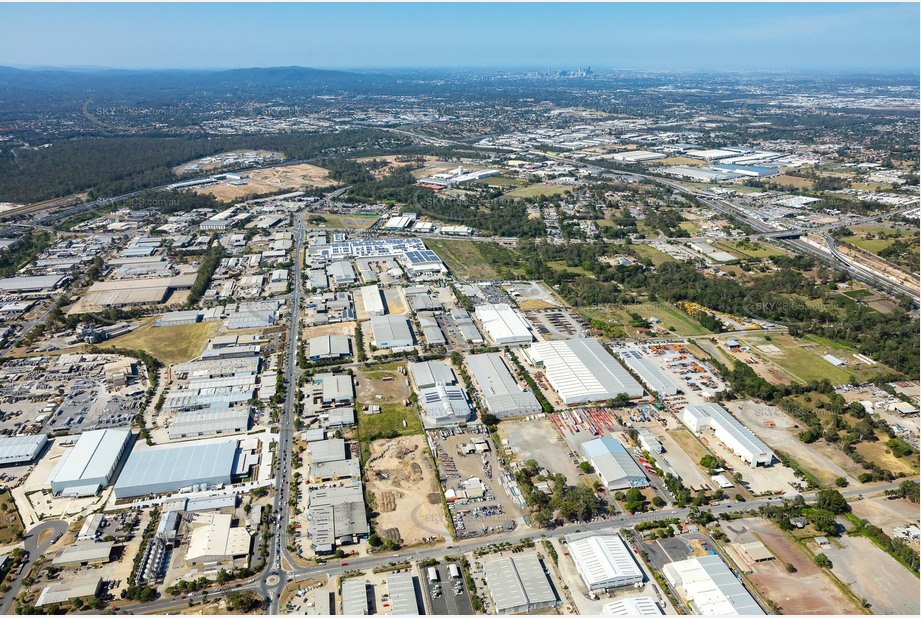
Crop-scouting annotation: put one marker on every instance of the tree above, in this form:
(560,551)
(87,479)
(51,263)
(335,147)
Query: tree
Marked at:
(841,481)
(490,420)
(658,502)
(832,500)
(586,467)
(822,561)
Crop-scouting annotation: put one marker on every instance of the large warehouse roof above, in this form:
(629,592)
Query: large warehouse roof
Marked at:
(604,560)
(30,284)
(166,469)
(501,392)
(391,331)
(91,461)
(633,606)
(738,437)
(402,591)
(614,464)
(354,597)
(518,584)
(581,370)
(209,422)
(21,449)
(328,346)
(711,588)
(84,552)
(430,373)
(653,377)
(503,324)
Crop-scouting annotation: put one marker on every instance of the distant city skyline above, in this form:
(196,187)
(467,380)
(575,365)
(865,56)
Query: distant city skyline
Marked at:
(799,37)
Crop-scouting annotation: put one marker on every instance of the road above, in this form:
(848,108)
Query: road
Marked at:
(33,552)
(368,563)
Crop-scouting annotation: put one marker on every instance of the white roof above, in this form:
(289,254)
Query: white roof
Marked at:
(374,302)
(503,324)
(213,537)
(92,457)
(711,588)
(634,606)
(21,448)
(651,375)
(604,561)
(715,414)
(500,390)
(613,463)
(402,593)
(581,370)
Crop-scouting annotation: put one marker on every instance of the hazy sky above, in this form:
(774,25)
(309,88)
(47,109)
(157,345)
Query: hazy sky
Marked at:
(773,36)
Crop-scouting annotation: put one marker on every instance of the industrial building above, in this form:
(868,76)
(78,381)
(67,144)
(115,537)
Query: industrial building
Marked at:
(142,291)
(373,300)
(428,374)
(335,388)
(648,441)
(80,587)
(160,470)
(518,584)
(391,331)
(465,326)
(22,285)
(209,422)
(338,516)
(655,379)
(613,464)
(21,449)
(445,404)
(90,463)
(214,540)
(710,587)
(402,590)
(329,346)
(581,370)
(603,560)
(354,597)
(636,156)
(503,324)
(500,391)
(736,436)
(341,273)
(632,606)
(83,554)
(326,450)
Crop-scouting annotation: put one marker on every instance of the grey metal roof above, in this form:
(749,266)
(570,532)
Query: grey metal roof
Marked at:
(92,457)
(391,331)
(613,463)
(84,552)
(209,422)
(326,450)
(518,583)
(402,590)
(329,345)
(21,448)
(172,468)
(501,392)
(430,373)
(354,597)
(652,376)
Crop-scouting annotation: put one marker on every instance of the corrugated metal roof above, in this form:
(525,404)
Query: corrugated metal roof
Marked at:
(518,583)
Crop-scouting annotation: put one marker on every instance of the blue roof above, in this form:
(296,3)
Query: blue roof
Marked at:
(600,446)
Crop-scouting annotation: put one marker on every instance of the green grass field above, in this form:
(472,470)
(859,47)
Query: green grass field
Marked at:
(748,249)
(169,344)
(857,294)
(475,260)
(539,189)
(690,227)
(671,317)
(10,522)
(353,222)
(501,181)
(645,251)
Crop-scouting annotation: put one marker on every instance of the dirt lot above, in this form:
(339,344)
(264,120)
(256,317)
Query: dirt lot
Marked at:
(539,439)
(808,591)
(393,163)
(874,575)
(270,180)
(679,459)
(394,300)
(825,461)
(886,514)
(401,477)
(339,328)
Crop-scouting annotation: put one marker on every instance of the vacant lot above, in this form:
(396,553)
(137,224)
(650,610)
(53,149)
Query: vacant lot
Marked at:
(401,477)
(394,162)
(271,180)
(670,318)
(10,522)
(885,513)
(878,452)
(748,249)
(657,258)
(538,189)
(874,575)
(539,440)
(358,221)
(807,591)
(374,388)
(792,181)
(801,360)
(472,260)
(169,344)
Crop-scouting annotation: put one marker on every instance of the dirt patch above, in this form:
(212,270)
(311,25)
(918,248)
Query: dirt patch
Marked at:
(807,591)
(271,180)
(339,328)
(885,514)
(394,162)
(874,575)
(402,481)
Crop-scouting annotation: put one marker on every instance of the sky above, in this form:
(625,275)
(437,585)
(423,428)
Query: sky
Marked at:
(839,37)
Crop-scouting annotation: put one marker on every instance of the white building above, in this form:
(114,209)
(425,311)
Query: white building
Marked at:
(737,438)
(710,587)
(613,464)
(632,606)
(503,324)
(604,560)
(90,463)
(374,302)
(581,370)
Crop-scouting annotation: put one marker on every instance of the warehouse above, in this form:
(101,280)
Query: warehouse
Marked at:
(699,174)
(648,441)
(500,392)
(179,318)
(336,388)
(90,463)
(756,171)
(338,417)
(710,587)
(329,346)
(136,291)
(81,587)
(423,262)
(655,380)
(341,273)
(581,370)
(161,470)
(636,156)
(603,560)
(633,606)
(334,470)
(613,464)
(374,302)
(21,449)
(430,373)
(431,331)
(465,326)
(83,554)
(402,590)
(326,450)
(354,597)
(22,285)
(737,438)
(391,331)
(503,324)
(518,584)
(338,516)
(445,404)
(214,540)
(209,422)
